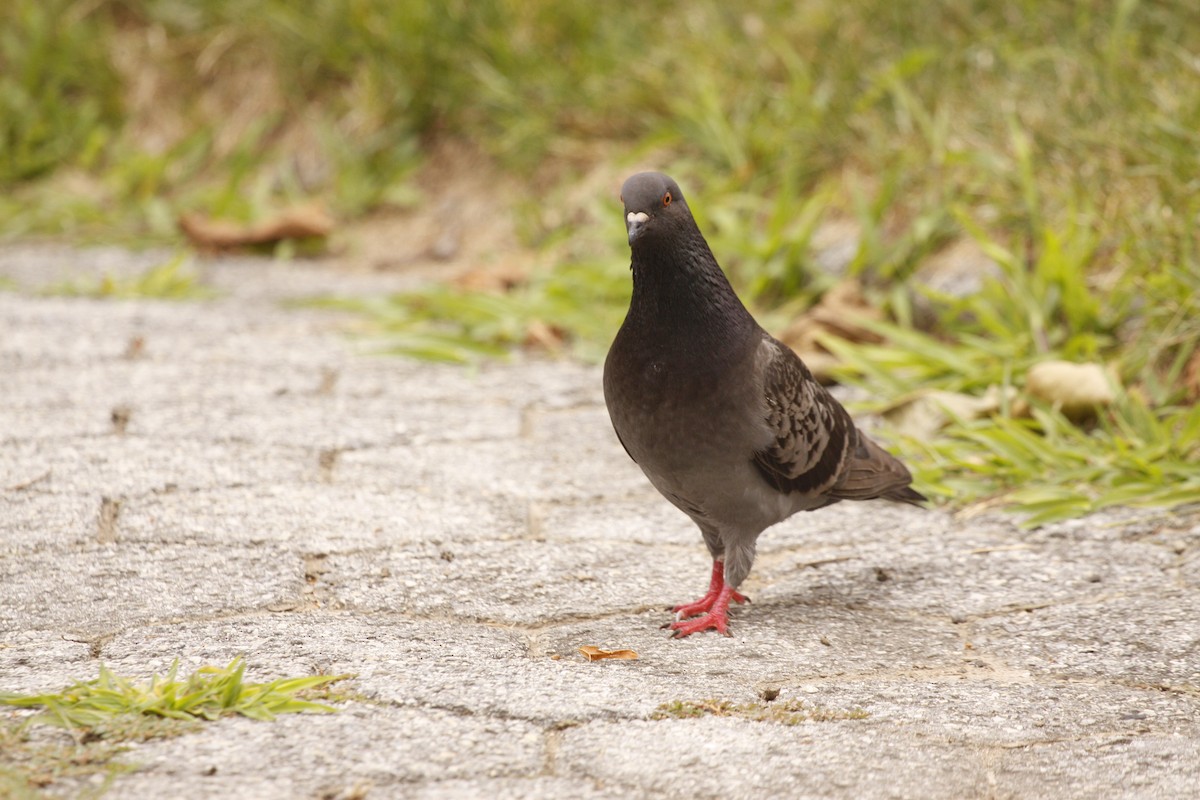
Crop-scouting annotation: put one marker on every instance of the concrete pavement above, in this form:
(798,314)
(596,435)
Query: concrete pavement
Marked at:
(204,479)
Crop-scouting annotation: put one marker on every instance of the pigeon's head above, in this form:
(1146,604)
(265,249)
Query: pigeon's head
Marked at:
(653,204)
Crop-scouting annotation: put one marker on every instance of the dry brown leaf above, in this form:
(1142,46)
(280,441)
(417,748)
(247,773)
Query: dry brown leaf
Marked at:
(596,654)
(540,336)
(298,222)
(499,278)
(1078,390)
(923,414)
(834,314)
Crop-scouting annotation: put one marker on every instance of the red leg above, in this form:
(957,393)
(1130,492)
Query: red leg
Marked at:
(713,605)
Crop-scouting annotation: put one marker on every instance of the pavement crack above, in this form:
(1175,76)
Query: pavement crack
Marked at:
(1019,608)
(27,484)
(547,723)
(327,461)
(95,643)
(569,619)
(1184,689)
(106,521)
(551,741)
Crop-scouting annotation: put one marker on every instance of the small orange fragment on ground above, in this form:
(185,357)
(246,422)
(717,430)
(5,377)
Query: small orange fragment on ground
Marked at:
(596,654)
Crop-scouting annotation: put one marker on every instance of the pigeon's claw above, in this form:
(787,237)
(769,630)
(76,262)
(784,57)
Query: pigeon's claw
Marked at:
(715,613)
(710,620)
(705,604)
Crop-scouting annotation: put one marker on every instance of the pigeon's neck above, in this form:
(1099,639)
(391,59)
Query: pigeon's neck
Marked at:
(681,292)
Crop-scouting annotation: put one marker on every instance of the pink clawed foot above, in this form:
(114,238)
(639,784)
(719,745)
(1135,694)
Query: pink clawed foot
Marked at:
(716,616)
(713,607)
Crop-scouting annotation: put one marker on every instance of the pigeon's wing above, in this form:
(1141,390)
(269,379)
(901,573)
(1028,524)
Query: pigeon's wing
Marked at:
(813,434)
(874,472)
(817,450)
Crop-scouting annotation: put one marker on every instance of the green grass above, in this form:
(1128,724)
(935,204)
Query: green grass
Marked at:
(1051,469)
(59,94)
(585,302)
(209,693)
(1060,137)
(1021,109)
(1141,451)
(103,714)
(175,279)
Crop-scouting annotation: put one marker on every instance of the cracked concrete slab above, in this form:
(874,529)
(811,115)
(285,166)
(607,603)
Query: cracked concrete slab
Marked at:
(1150,638)
(100,588)
(237,477)
(322,755)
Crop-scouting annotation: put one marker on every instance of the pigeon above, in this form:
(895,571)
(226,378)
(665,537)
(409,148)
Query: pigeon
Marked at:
(725,421)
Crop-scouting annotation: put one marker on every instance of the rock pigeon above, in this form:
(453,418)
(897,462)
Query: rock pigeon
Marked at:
(726,422)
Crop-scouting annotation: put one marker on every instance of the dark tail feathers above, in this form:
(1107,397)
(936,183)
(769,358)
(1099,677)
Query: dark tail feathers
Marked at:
(906,494)
(873,472)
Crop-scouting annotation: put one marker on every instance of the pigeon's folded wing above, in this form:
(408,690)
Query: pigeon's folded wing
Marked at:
(813,433)
(817,450)
(874,472)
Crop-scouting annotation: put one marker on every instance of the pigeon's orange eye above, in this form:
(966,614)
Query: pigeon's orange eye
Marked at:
(667,199)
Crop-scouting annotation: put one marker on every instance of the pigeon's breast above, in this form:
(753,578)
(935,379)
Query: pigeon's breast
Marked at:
(694,430)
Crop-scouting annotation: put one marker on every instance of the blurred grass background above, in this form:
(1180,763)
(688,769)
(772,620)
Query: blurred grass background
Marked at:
(1054,146)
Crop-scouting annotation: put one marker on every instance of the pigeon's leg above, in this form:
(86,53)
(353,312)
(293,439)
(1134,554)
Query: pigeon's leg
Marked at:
(708,603)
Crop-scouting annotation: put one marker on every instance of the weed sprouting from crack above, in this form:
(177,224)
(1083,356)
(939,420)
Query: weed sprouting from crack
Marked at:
(788,712)
(208,693)
(104,714)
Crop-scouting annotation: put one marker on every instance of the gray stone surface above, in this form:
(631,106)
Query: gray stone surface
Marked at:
(452,536)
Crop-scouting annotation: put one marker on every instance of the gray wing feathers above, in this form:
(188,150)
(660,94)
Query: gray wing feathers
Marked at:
(812,431)
(817,450)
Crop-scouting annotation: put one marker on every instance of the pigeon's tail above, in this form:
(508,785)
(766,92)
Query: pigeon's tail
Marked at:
(906,494)
(873,472)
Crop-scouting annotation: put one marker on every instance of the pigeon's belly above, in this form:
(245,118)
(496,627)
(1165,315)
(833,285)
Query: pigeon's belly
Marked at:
(734,499)
(699,455)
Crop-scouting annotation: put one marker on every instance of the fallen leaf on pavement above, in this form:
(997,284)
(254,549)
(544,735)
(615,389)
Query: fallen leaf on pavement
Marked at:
(298,222)
(596,654)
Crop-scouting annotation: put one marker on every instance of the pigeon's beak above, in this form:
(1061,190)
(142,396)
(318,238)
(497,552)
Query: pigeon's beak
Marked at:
(635,222)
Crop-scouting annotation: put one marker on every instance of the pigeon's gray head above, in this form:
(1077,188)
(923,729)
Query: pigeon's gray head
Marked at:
(653,204)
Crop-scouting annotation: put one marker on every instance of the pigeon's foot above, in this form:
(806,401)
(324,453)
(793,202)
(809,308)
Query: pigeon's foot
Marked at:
(706,603)
(716,616)
(715,587)
(712,609)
